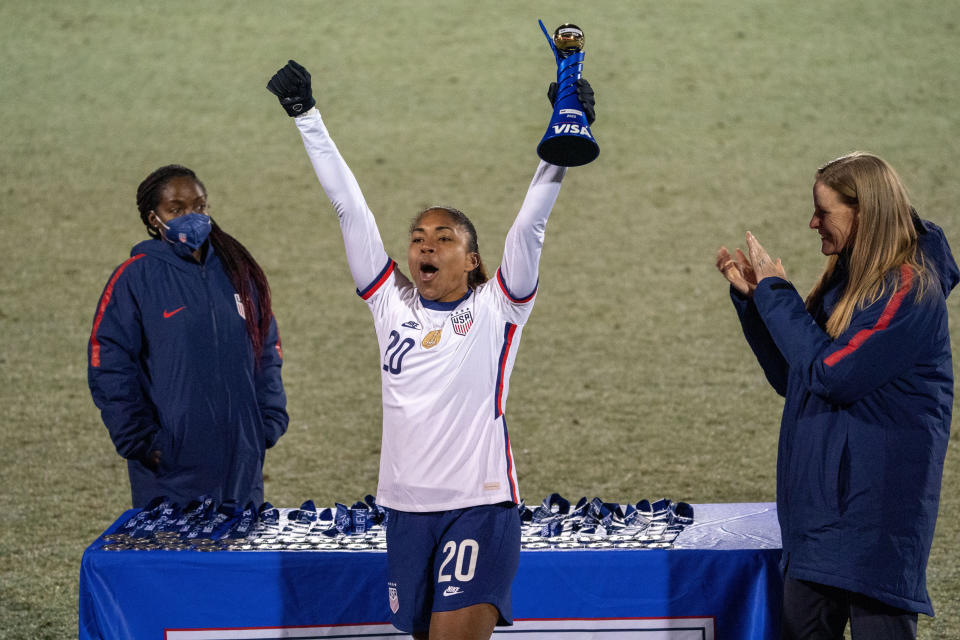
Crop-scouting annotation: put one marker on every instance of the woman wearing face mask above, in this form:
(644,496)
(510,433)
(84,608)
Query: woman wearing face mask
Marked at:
(184,355)
(865,367)
(448,339)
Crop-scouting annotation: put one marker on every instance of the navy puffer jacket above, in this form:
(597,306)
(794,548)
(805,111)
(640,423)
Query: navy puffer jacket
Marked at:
(865,427)
(171,367)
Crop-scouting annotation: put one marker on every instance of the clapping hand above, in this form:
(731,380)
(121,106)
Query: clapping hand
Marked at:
(744,273)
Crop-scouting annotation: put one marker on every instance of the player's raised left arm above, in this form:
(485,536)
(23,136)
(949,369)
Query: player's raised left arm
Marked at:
(518,273)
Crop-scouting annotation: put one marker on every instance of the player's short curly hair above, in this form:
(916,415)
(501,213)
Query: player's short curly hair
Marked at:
(479,275)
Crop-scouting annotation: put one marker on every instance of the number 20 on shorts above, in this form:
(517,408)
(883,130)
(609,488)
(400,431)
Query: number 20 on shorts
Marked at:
(465,563)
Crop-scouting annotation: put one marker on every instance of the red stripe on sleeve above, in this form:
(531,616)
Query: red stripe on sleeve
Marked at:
(372,289)
(906,283)
(104,301)
(506,292)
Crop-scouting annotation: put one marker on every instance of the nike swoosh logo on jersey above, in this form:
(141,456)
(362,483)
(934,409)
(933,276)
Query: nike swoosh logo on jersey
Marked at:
(410,324)
(452,591)
(170,314)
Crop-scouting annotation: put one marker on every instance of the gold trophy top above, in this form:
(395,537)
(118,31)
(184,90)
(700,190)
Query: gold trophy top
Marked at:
(568,39)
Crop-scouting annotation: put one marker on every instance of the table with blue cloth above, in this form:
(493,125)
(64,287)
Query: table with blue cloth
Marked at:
(720,579)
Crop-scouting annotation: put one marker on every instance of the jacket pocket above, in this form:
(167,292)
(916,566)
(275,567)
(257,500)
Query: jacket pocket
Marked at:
(836,467)
(843,478)
(818,471)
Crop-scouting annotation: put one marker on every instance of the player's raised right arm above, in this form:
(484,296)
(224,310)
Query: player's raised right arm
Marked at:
(365,252)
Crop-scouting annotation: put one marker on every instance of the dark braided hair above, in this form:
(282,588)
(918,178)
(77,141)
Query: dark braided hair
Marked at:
(479,274)
(245,274)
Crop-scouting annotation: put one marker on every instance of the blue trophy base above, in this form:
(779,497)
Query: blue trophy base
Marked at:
(568,150)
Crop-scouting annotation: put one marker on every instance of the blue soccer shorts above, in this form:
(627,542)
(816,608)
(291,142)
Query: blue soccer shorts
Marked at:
(448,560)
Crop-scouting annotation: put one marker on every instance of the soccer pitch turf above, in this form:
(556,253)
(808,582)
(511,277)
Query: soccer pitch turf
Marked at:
(633,380)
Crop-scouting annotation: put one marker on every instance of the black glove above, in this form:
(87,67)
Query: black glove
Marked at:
(292,86)
(584,94)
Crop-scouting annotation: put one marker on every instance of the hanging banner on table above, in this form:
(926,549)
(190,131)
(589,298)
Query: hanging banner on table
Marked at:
(617,629)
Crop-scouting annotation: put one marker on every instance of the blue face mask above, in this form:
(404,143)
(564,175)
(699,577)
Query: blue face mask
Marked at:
(189,230)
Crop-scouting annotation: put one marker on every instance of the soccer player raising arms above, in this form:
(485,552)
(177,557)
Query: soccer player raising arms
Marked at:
(448,340)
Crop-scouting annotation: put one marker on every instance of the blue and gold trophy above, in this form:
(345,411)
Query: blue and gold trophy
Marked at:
(568,141)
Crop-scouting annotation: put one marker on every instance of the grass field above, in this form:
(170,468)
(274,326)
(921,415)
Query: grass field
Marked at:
(633,380)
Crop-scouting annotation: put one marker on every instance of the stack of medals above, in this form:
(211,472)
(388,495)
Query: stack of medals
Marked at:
(204,526)
(596,524)
(361,527)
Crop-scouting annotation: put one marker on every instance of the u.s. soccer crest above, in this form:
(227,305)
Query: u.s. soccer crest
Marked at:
(392,597)
(239,301)
(461,321)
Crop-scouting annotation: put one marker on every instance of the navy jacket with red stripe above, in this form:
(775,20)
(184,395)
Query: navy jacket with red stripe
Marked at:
(171,367)
(865,427)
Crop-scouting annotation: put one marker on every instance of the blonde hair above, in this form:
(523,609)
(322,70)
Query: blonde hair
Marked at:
(884,240)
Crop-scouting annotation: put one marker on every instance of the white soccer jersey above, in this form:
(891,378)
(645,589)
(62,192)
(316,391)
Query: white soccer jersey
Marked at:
(445,367)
